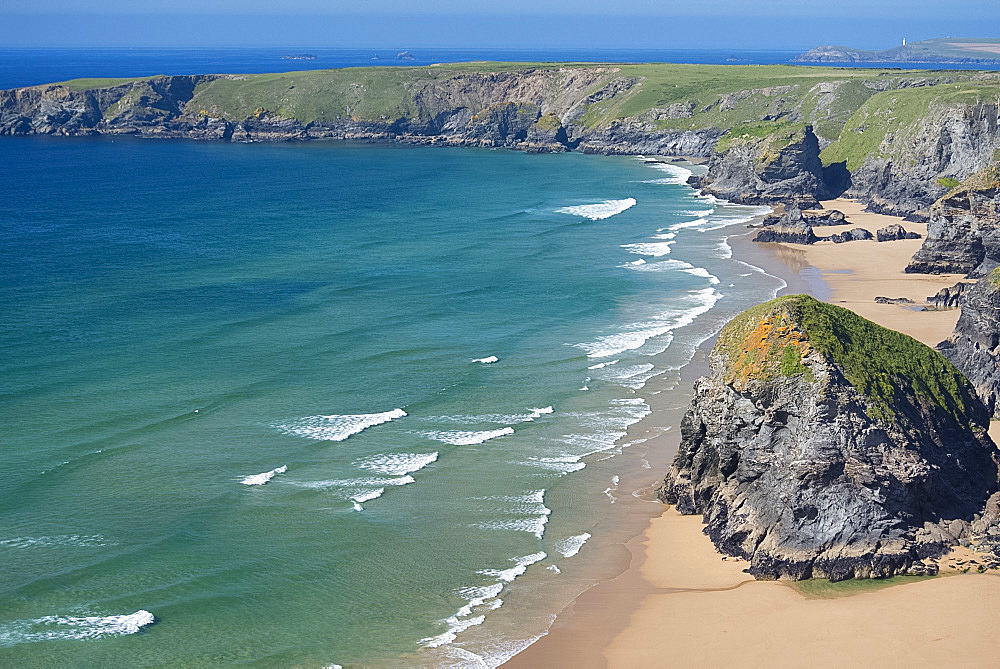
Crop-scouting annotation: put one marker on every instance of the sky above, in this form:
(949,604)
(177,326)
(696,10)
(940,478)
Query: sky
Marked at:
(664,24)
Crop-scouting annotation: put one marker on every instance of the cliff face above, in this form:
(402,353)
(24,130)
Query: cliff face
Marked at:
(538,109)
(777,168)
(963,235)
(822,445)
(974,347)
(898,132)
(902,157)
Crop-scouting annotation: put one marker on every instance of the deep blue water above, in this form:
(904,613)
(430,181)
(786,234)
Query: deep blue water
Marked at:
(26,67)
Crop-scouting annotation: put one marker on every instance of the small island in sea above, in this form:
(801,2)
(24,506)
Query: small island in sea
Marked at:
(819,453)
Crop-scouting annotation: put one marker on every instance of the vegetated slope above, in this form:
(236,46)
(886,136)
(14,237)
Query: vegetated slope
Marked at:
(823,445)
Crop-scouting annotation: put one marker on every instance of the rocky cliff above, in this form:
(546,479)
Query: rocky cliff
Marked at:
(899,133)
(822,445)
(781,167)
(974,347)
(963,235)
(906,148)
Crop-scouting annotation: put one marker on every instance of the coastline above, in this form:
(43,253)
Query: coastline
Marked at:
(680,599)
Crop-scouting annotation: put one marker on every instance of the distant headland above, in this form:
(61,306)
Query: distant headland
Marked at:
(944,50)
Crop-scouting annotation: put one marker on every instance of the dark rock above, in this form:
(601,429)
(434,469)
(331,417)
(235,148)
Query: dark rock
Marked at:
(949,298)
(769,170)
(822,445)
(893,300)
(894,232)
(956,234)
(791,227)
(974,346)
(855,235)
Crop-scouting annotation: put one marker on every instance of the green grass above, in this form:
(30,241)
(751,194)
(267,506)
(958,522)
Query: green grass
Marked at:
(891,114)
(748,101)
(820,588)
(90,84)
(949,182)
(875,360)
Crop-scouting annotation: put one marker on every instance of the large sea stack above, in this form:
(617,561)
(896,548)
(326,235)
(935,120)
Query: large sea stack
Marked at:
(823,445)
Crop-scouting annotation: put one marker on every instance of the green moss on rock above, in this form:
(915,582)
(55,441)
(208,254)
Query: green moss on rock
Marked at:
(776,338)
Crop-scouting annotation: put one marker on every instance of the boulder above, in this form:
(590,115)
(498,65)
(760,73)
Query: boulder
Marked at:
(855,235)
(894,232)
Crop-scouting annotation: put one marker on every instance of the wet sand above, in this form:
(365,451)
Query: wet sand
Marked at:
(679,603)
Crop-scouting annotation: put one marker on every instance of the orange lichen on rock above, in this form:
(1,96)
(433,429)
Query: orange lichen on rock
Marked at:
(773,345)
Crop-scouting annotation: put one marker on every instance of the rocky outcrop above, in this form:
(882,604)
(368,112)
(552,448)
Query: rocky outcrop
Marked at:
(974,346)
(792,227)
(963,235)
(893,300)
(854,235)
(778,168)
(822,445)
(949,298)
(894,232)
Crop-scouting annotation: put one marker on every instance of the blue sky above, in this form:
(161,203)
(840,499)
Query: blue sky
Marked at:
(763,24)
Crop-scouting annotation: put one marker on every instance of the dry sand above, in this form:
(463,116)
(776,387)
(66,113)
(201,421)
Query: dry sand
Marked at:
(858,272)
(681,604)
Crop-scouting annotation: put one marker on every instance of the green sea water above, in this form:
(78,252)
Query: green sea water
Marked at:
(249,414)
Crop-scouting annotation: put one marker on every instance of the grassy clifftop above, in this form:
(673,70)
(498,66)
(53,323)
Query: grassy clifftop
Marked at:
(774,339)
(743,99)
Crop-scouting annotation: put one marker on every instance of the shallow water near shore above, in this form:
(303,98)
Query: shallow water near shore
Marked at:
(327,403)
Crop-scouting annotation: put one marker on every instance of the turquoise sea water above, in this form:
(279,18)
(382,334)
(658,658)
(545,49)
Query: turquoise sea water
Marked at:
(178,319)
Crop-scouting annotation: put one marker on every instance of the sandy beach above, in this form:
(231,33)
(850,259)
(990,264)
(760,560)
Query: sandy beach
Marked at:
(680,603)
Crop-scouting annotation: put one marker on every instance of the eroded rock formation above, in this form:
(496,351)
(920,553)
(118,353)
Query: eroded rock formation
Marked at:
(822,445)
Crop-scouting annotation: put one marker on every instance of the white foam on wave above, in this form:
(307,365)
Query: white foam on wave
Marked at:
(337,427)
(609,491)
(535,525)
(703,273)
(467,438)
(563,464)
(396,464)
(488,360)
(367,495)
(676,174)
(521,565)
(637,334)
(52,628)
(455,627)
(602,365)
(600,210)
(79,540)
(356,483)
(725,250)
(261,479)
(653,249)
(480,596)
(497,418)
(572,545)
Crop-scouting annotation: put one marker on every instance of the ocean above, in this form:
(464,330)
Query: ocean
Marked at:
(323,403)
(31,66)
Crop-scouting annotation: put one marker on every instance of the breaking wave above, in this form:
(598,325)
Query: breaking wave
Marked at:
(600,210)
(338,427)
(467,438)
(261,479)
